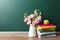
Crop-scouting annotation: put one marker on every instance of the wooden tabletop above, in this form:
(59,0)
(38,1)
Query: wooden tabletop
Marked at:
(25,37)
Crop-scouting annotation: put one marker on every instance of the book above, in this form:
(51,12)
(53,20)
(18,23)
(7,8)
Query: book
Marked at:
(42,26)
(47,34)
(46,29)
(52,35)
(44,33)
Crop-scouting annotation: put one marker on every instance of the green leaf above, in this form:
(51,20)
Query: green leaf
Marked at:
(39,13)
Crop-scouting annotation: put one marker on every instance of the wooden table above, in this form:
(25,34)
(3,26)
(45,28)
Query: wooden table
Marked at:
(25,37)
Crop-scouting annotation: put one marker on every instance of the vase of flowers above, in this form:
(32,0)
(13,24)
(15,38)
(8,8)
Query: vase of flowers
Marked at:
(32,20)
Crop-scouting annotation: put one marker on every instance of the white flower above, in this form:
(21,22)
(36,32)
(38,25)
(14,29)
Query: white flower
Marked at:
(25,19)
(29,22)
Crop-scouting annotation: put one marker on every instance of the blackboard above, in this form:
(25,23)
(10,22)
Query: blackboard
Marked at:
(12,13)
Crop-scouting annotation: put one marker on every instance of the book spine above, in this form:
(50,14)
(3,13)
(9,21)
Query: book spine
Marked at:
(53,35)
(44,33)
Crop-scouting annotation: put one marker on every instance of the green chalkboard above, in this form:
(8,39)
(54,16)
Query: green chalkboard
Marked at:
(12,13)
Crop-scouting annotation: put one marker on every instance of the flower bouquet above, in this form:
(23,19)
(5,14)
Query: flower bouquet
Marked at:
(33,20)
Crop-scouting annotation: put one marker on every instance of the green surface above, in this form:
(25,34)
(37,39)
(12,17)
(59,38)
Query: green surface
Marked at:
(11,13)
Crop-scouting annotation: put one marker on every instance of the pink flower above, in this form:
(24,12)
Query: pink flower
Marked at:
(25,19)
(28,19)
(29,22)
(32,19)
(33,22)
(39,17)
(37,22)
(31,16)
(28,16)
(36,19)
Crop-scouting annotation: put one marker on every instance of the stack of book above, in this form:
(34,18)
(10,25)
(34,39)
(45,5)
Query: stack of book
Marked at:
(46,30)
